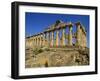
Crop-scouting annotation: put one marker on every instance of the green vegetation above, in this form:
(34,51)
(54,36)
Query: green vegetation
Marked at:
(40,50)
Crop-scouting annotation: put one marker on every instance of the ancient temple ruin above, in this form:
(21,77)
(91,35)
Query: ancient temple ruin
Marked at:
(50,36)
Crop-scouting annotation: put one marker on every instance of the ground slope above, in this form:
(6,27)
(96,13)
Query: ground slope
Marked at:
(56,57)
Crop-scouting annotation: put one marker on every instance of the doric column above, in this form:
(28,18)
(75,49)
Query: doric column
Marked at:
(36,41)
(40,40)
(63,37)
(48,38)
(57,38)
(78,40)
(44,35)
(52,39)
(33,41)
(70,35)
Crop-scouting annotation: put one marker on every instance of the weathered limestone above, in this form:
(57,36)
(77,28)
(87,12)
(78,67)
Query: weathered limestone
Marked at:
(50,38)
(57,38)
(34,41)
(70,35)
(40,41)
(44,36)
(37,41)
(78,34)
(63,37)
(81,35)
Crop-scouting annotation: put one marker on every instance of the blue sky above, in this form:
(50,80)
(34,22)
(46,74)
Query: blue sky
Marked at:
(37,22)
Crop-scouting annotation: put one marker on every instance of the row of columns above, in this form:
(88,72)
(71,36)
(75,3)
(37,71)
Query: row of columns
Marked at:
(47,38)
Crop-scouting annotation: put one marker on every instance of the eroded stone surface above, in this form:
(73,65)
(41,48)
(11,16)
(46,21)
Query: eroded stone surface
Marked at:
(45,57)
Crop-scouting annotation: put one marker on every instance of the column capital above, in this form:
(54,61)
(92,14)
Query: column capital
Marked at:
(69,24)
(78,23)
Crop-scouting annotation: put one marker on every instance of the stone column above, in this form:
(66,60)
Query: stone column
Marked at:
(37,41)
(48,38)
(57,38)
(40,40)
(44,35)
(63,37)
(70,36)
(33,41)
(52,39)
(83,38)
(78,40)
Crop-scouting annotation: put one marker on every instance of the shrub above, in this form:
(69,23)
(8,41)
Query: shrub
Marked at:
(40,51)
